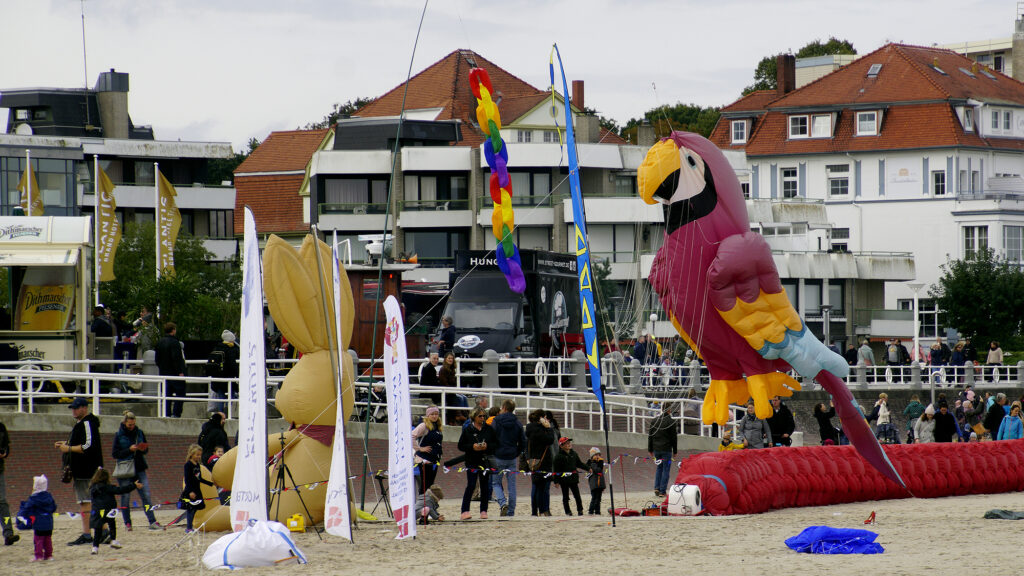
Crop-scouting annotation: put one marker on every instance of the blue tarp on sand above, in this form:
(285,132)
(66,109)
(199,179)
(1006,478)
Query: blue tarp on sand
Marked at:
(827,540)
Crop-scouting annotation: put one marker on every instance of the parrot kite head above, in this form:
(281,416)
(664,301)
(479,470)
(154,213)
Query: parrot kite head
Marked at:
(692,178)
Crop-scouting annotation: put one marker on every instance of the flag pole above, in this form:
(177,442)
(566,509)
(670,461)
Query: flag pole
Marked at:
(156,213)
(28,180)
(96,223)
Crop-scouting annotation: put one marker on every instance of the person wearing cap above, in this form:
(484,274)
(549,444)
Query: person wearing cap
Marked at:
(924,428)
(662,439)
(222,363)
(567,461)
(170,359)
(596,479)
(426,442)
(84,455)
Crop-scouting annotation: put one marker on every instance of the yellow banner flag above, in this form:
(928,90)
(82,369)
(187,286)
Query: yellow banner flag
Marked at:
(37,195)
(109,234)
(168,224)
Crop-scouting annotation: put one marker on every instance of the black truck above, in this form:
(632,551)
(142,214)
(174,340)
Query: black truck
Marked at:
(543,322)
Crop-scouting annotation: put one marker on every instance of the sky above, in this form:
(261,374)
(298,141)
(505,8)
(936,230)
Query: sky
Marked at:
(231,70)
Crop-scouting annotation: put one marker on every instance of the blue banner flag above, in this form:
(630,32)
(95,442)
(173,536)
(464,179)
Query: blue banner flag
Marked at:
(583,267)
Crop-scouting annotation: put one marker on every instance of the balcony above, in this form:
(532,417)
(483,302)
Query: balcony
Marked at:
(887,323)
(195,196)
(352,216)
(435,214)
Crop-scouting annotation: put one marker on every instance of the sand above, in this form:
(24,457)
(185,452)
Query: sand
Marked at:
(937,536)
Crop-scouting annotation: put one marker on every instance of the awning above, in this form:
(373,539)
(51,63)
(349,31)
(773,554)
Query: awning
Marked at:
(30,257)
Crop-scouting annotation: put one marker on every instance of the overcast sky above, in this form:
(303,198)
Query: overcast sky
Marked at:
(229,70)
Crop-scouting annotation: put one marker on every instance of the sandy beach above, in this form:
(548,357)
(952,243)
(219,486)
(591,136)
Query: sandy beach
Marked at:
(939,536)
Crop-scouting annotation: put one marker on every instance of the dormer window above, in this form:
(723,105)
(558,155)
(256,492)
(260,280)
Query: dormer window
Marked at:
(739,131)
(798,127)
(1002,122)
(821,126)
(867,123)
(968,119)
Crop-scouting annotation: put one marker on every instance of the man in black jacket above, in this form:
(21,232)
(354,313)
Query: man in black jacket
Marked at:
(781,423)
(5,512)
(84,455)
(995,415)
(170,360)
(662,438)
(511,443)
(211,436)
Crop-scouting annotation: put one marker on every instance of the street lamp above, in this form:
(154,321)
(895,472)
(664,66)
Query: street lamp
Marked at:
(654,317)
(916,287)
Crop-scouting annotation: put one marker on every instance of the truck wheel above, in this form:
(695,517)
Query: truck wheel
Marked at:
(540,374)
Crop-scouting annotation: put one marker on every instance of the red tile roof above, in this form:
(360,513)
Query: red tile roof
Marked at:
(916,101)
(445,85)
(274,201)
(283,151)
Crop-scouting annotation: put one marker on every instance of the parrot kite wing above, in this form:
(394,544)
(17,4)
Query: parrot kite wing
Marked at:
(718,282)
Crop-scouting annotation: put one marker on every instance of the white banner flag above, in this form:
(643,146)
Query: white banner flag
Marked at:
(336,519)
(401,487)
(249,488)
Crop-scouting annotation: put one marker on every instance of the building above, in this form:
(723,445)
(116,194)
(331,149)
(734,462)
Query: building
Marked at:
(909,148)
(64,129)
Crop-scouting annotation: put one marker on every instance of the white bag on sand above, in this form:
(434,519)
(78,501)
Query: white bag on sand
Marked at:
(261,543)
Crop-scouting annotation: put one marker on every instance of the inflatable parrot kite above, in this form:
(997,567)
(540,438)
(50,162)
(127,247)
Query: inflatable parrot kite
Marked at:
(718,282)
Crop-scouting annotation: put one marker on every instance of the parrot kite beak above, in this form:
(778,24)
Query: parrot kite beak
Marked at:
(670,174)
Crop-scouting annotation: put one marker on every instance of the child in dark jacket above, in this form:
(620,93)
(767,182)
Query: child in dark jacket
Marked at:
(567,461)
(38,511)
(104,507)
(597,483)
(192,495)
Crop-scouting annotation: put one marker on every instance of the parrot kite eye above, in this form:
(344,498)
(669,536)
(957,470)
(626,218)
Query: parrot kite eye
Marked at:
(692,162)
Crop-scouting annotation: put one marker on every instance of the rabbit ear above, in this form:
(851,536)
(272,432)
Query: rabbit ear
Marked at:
(293,295)
(309,257)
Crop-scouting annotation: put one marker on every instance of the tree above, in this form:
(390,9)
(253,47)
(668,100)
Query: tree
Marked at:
(981,297)
(223,169)
(766,73)
(201,298)
(338,111)
(665,119)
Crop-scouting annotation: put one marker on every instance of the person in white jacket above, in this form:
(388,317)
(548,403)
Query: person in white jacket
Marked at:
(924,429)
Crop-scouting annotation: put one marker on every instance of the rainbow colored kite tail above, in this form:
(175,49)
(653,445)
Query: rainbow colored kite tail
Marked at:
(496,153)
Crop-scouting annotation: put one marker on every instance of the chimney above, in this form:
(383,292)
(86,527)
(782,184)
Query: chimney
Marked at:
(645,134)
(577,94)
(785,73)
(112,99)
(1016,55)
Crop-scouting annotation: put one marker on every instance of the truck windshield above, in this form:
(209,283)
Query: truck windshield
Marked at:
(482,315)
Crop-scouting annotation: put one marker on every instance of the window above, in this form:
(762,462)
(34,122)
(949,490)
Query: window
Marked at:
(435,248)
(798,126)
(348,194)
(975,241)
(968,119)
(963,184)
(874,70)
(1013,243)
(789,183)
(524,135)
(1002,122)
(436,191)
(739,131)
(625,185)
(21,114)
(821,126)
(549,136)
(745,188)
(39,114)
(840,240)
(867,123)
(613,242)
(529,188)
(836,300)
(929,316)
(975,181)
(838,179)
(967,72)
(939,183)
(221,223)
(997,62)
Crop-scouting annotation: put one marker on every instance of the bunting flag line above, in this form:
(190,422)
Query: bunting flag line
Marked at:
(503,220)
(588,319)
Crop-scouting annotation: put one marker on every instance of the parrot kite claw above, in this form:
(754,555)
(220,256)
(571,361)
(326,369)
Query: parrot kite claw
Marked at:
(720,394)
(718,282)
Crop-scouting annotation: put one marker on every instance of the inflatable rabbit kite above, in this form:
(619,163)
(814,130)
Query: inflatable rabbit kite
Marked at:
(292,284)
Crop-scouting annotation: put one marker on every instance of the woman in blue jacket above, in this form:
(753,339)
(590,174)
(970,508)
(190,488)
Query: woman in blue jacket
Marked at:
(130,443)
(1011,427)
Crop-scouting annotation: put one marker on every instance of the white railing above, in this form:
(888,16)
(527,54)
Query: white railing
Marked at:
(29,387)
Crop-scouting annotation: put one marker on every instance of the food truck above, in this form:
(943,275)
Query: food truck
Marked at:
(44,288)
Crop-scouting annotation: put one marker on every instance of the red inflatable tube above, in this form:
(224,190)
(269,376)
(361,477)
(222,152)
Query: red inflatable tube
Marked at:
(754,481)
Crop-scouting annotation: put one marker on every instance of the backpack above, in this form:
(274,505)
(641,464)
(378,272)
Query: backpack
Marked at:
(214,367)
